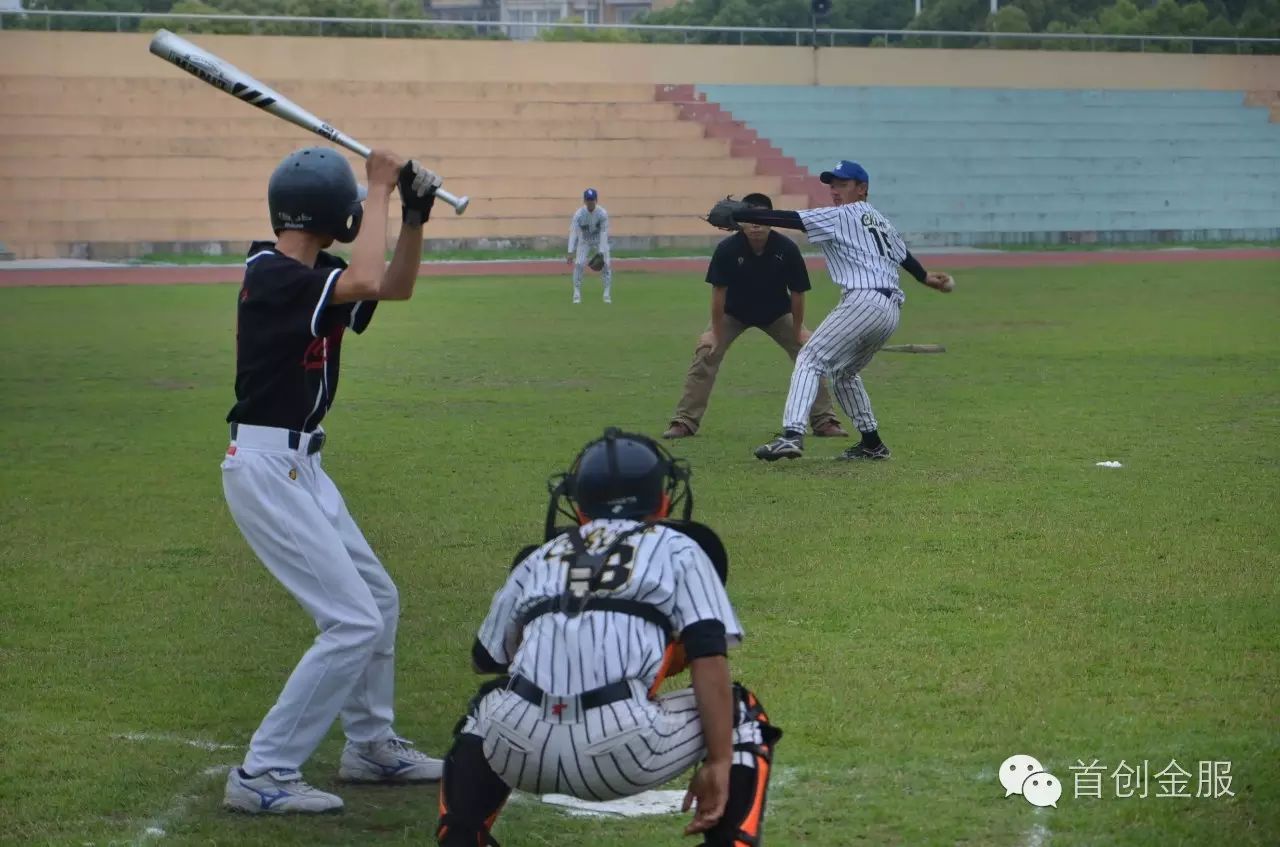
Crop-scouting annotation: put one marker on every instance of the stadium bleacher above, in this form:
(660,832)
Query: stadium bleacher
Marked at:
(100,166)
(973,165)
(108,167)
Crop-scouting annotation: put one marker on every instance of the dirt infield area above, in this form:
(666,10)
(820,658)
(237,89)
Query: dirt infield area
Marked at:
(184,274)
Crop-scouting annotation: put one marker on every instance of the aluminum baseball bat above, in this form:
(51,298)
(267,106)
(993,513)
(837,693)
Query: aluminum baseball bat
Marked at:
(227,77)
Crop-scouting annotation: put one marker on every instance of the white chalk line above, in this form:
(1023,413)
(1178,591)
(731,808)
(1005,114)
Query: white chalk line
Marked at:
(169,738)
(158,826)
(1038,835)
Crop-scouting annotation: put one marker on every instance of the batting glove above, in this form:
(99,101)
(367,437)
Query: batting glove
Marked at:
(417,187)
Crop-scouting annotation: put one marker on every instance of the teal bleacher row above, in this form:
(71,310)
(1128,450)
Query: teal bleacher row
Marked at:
(906,95)
(972,165)
(870,131)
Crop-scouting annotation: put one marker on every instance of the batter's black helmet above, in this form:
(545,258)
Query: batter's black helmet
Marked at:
(315,190)
(621,475)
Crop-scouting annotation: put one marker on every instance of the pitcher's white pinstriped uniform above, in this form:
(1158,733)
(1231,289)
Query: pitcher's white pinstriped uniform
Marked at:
(621,748)
(862,249)
(589,234)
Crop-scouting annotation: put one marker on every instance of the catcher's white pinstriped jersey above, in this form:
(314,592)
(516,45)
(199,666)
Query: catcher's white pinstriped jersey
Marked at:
(568,655)
(589,229)
(861,247)
(627,746)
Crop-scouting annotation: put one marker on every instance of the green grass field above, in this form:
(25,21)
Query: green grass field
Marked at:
(910,624)
(466,254)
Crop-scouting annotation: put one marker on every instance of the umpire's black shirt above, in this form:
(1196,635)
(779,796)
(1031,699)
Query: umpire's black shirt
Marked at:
(288,339)
(759,286)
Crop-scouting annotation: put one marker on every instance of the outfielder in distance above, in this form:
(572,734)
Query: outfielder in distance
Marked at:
(294,307)
(583,633)
(589,244)
(863,251)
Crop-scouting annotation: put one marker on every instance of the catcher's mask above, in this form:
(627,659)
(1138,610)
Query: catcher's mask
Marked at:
(620,475)
(314,189)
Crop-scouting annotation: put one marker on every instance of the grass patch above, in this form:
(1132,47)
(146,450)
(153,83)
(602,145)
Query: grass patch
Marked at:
(910,624)
(441,255)
(1146,245)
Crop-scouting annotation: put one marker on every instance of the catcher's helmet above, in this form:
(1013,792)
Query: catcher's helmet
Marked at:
(620,475)
(315,190)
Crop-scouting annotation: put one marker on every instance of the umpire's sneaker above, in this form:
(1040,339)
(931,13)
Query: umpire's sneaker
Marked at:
(393,760)
(787,445)
(862,451)
(276,792)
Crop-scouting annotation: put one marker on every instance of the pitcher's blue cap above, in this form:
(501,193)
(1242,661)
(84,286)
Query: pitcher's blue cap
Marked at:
(589,194)
(846,170)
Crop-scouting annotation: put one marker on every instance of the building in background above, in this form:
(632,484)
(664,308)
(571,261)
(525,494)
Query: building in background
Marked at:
(552,11)
(463,10)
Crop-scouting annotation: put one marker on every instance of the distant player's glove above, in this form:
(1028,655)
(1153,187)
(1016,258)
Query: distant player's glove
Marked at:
(597,262)
(417,193)
(721,214)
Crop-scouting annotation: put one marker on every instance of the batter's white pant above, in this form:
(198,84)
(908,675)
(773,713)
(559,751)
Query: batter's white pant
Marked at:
(841,346)
(293,517)
(585,252)
(604,753)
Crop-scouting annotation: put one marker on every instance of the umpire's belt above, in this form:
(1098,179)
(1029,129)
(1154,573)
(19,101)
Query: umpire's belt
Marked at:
(593,699)
(277,438)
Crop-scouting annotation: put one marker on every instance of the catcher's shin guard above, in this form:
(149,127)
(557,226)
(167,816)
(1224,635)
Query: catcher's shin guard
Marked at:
(742,824)
(471,795)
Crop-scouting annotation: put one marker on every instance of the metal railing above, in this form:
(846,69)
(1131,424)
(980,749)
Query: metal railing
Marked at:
(653,33)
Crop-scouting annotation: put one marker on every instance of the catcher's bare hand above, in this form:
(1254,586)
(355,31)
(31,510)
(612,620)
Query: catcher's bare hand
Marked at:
(721,214)
(940,281)
(710,787)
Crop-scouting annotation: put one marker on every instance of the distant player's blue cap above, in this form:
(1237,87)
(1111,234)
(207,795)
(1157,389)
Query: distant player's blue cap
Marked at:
(589,194)
(846,170)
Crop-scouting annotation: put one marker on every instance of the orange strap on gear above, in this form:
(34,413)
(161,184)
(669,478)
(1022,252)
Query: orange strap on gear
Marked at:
(674,661)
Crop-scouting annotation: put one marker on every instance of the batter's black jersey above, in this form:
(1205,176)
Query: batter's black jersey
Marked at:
(759,286)
(288,339)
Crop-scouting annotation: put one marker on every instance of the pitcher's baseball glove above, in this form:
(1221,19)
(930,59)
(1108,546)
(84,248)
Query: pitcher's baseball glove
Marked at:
(721,214)
(596,263)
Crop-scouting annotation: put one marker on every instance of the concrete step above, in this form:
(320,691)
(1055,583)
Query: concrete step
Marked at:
(176,84)
(14,207)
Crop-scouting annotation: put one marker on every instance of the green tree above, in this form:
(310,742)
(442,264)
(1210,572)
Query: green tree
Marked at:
(564,33)
(1010,19)
(1223,18)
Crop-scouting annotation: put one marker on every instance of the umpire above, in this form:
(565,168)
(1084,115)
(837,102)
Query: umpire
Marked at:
(758,279)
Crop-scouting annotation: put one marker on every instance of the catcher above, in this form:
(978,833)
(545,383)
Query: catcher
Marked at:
(589,244)
(583,633)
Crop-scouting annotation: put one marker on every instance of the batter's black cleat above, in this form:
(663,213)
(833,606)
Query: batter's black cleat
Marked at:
(786,445)
(862,451)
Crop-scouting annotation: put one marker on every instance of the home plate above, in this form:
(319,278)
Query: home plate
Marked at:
(640,805)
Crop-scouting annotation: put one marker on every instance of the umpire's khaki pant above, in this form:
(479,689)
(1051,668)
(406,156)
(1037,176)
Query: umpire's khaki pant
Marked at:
(706,364)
